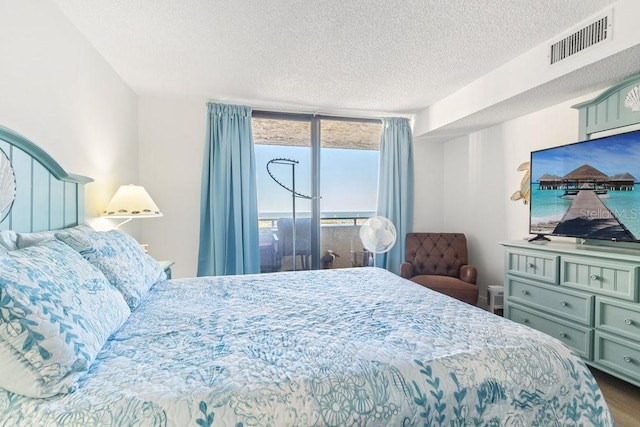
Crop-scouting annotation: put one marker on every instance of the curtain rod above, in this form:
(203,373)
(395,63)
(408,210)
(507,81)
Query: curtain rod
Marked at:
(263,114)
(304,115)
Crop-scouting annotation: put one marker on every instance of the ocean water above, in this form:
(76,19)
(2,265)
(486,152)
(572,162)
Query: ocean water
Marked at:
(548,206)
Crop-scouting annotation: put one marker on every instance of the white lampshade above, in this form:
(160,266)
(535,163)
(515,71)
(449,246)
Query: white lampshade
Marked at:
(131,201)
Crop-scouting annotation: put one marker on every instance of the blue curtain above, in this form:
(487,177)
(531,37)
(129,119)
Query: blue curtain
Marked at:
(229,238)
(395,186)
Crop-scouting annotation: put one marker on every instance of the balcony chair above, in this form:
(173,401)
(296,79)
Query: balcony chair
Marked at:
(438,261)
(269,256)
(303,240)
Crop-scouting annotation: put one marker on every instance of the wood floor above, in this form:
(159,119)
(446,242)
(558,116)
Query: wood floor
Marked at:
(622,398)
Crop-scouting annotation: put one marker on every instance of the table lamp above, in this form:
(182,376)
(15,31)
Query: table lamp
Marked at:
(131,201)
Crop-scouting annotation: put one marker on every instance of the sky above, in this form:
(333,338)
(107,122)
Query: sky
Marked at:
(610,155)
(349,179)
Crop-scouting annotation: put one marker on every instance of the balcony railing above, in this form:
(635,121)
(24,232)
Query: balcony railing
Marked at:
(339,232)
(269,219)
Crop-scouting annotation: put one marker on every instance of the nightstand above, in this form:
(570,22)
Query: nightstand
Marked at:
(166,266)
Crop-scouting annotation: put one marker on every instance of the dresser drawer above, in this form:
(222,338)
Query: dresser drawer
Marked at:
(543,267)
(571,305)
(576,337)
(617,354)
(618,317)
(613,279)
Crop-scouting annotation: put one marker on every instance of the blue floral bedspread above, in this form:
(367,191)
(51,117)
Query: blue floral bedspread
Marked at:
(350,347)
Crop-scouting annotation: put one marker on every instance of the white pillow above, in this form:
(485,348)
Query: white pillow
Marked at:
(56,313)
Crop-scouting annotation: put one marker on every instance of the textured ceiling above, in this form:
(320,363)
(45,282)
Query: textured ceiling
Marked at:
(331,56)
(600,75)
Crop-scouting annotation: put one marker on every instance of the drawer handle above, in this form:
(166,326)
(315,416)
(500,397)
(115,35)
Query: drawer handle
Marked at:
(564,303)
(525,292)
(531,265)
(628,359)
(628,321)
(563,335)
(594,277)
(525,320)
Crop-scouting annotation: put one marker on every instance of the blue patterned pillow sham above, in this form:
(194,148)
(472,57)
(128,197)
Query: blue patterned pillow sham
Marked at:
(121,259)
(56,313)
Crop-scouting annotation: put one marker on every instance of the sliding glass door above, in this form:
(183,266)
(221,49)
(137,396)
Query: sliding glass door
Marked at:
(322,172)
(284,179)
(348,183)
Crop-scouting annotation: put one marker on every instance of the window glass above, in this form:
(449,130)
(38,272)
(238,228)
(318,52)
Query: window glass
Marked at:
(349,152)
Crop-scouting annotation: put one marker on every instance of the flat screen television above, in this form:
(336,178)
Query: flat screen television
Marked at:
(588,189)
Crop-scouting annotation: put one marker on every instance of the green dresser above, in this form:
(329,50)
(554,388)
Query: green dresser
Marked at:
(584,295)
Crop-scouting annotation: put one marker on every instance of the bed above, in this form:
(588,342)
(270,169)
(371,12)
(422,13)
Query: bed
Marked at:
(91,333)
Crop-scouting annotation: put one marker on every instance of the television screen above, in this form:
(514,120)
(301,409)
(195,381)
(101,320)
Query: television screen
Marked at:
(588,189)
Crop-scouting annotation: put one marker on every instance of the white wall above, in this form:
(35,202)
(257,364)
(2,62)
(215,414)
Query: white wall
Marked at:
(57,91)
(529,72)
(461,185)
(478,177)
(428,171)
(172,134)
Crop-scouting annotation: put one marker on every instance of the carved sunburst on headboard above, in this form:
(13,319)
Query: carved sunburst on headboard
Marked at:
(7,186)
(632,100)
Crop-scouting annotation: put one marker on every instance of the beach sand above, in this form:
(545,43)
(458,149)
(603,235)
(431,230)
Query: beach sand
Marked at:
(544,227)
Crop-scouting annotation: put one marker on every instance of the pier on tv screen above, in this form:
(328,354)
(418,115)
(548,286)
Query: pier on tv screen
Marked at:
(588,189)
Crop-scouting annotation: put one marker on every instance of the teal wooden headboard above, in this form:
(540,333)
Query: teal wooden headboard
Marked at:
(47,197)
(607,111)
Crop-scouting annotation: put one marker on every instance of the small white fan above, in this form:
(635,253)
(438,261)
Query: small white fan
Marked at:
(378,235)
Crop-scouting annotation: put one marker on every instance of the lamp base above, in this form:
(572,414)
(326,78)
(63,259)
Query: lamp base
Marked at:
(123,222)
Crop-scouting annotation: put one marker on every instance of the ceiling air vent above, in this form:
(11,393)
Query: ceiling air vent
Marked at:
(589,35)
